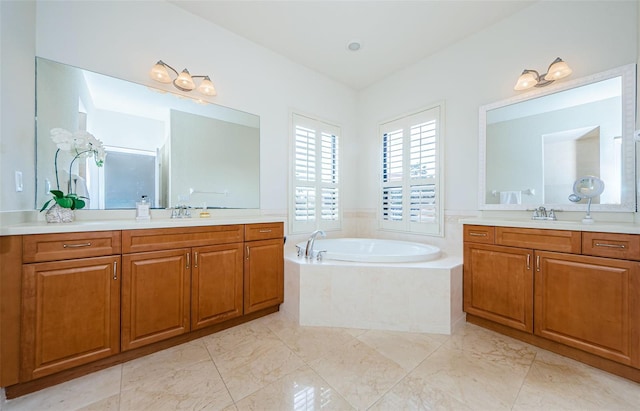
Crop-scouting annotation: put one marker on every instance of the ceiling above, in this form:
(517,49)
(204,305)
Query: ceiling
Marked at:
(393,34)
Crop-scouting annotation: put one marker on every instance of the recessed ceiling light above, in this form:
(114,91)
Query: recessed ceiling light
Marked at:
(354,45)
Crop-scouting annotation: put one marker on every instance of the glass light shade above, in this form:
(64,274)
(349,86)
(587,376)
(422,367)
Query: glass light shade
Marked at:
(557,70)
(159,73)
(207,87)
(184,81)
(526,80)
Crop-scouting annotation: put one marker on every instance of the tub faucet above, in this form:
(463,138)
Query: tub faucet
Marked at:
(308,252)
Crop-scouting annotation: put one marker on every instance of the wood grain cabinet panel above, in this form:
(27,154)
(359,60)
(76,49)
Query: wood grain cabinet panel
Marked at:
(136,241)
(540,239)
(70,314)
(263,274)
(67,246)
(498,284)
(590,303)
(613,245)
(216,284)
(156,289)
(479,234)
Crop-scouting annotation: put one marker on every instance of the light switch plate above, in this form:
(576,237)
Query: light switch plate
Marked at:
(18,181)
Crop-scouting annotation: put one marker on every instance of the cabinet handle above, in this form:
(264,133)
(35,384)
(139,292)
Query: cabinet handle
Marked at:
(188,260)
(265,231)
(610,245)
(538,263)
(247,252)
(115,270)
(478,234)
(528,261)
(76,245)
(195,259)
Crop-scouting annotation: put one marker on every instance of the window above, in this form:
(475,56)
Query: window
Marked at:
(411,175)
(316,189)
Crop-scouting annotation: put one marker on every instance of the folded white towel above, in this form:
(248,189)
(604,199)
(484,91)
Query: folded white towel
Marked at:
(511,197)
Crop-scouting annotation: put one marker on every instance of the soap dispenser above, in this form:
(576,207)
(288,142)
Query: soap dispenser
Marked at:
(143,209)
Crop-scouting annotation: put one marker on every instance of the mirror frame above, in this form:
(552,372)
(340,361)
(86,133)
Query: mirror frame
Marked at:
(628,186)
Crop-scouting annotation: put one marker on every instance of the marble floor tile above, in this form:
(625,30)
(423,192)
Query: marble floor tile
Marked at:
(560,383)
(273,364)
(301,390)
(491,346)
(249,358)
(195,387)
(451,378)
(180,356)
(406,349)
(310,343)
(359,373)
(71,395)
(107,404)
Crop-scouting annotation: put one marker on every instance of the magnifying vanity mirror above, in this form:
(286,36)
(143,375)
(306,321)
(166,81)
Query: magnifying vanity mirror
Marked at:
(534,146)
(588,187)
(173,149)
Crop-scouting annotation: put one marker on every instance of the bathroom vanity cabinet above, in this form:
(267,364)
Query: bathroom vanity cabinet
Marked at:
(173,282)
(70,301)
(88,300)
(558,289)
(263,274)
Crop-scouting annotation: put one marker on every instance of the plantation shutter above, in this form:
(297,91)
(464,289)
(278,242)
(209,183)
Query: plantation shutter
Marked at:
(410,177)
(316,193)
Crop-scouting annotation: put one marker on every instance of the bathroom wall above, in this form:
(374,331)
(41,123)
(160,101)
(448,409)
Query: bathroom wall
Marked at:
(17,152)
(125,38)
(483,68)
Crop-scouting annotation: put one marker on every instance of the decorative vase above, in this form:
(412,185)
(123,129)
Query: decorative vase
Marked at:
(57,214)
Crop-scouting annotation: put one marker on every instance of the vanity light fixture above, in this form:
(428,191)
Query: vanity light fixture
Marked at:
(183,81)
(530,78)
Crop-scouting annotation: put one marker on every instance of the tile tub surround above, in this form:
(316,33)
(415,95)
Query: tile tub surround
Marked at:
(274,364)
(413,297)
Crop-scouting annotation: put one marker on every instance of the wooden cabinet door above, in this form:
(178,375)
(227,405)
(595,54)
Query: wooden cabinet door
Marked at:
(70,314)
(590,303)
(216,284)
(498,284)
(155,296)
(263,274)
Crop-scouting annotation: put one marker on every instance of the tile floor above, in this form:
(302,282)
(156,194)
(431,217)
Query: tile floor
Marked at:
(274,364)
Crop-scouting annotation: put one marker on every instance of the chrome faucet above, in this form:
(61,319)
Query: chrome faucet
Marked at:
(308,252)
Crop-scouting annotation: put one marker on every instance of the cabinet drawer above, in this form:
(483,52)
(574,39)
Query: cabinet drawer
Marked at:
(540,239)
(51,247)
(263,231)
(135,241)
(623,246)
(479,234)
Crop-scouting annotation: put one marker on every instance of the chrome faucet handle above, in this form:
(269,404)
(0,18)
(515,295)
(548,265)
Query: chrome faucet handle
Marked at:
(552,215)
(319,254)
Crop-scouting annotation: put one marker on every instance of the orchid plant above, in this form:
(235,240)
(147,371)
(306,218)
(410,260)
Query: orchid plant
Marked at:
(80,144)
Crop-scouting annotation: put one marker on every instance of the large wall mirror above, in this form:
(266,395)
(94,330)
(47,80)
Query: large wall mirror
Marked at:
(533,147)
(173,149)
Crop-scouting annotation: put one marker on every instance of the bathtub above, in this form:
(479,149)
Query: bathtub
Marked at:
(415,296)
(374,250)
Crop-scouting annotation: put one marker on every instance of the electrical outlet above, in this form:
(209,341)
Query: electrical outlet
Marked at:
(19,187)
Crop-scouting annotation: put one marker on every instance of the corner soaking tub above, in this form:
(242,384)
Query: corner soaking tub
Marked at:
(369,250)
(385,285)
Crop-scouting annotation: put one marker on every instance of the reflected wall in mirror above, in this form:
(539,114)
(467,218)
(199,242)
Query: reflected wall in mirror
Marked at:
(534,146)
(174,149)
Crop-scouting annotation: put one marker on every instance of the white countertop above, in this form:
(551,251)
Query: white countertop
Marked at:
(597,226)
(83,225)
